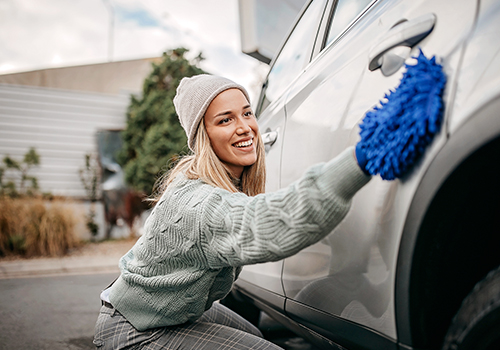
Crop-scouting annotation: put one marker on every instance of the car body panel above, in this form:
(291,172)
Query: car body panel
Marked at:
(360,274)
(479,78)
(473,123)
(351,272)
(268,275)
(483,127)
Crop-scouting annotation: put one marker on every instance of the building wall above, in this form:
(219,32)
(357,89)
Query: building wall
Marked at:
(59,112)
(107,78)
(61,125)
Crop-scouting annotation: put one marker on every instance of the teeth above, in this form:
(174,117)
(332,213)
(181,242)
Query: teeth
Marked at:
(244,144)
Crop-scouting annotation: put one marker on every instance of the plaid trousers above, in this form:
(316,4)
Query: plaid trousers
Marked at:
(218,328)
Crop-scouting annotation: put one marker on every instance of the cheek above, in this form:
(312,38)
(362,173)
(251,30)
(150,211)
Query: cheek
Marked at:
(254,126)
(219,141)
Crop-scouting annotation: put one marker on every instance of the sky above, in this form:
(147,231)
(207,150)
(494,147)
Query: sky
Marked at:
(38,34)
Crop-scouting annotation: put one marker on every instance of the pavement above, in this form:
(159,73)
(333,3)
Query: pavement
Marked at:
(89,259)
(97,258)
(58,266)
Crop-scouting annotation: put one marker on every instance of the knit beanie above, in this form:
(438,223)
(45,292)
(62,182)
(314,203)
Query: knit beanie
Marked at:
(193,97)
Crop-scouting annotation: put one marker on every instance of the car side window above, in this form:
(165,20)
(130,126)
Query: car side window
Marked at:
(345,12)
(294,55)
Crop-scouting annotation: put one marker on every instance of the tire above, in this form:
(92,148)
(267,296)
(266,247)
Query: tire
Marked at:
(477,323)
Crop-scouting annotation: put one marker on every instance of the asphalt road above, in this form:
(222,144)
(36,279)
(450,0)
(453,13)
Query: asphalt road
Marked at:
(59,313)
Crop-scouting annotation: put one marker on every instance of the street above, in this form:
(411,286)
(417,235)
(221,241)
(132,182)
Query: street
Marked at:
(59,313)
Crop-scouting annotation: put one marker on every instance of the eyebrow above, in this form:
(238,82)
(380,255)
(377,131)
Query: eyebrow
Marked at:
(222,114)
(229,112)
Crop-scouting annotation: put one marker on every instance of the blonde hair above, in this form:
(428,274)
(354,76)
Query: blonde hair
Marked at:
(205,165)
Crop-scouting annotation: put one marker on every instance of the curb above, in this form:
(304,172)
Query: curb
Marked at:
(58,266)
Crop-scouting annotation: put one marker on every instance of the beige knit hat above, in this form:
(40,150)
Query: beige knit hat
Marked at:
(193,97)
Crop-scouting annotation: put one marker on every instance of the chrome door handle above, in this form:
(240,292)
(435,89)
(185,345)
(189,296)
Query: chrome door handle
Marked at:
(407,33)
(269,138)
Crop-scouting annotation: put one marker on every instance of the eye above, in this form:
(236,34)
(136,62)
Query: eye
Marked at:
(224,121)
(248,114)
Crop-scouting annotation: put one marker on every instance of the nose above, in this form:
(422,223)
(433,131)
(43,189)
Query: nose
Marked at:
(243,126)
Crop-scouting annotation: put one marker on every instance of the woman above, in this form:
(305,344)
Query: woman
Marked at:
(211,219)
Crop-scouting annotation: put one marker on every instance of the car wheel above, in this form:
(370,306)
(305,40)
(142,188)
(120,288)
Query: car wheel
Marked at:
(477,323)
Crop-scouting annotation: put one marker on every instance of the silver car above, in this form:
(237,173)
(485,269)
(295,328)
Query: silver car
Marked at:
(415,264)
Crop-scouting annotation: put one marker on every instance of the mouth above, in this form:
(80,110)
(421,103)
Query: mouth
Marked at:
(243,144)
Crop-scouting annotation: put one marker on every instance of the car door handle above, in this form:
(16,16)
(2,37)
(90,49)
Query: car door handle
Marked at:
(407,33)
(269,138)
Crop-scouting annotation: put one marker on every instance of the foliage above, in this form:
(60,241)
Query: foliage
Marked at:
(34,227)
(31,226)
(153,135)
(89,176)
(22,168)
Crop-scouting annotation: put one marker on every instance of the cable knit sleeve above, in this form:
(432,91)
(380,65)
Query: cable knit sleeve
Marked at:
(240,230)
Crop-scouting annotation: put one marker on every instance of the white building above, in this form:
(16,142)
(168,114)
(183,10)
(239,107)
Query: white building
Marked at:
(59,111)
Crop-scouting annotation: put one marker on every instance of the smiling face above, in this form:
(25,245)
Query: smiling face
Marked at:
(232,129)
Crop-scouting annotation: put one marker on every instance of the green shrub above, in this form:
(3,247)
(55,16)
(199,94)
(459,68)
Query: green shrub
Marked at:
(22,168)
(153,134)
(89,176)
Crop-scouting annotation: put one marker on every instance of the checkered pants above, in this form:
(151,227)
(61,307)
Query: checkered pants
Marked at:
(217,328)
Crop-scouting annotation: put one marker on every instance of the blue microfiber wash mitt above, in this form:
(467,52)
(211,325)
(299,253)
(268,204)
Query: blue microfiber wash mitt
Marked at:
(395,134)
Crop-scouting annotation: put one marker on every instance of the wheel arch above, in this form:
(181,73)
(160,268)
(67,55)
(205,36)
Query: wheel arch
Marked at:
(439,259)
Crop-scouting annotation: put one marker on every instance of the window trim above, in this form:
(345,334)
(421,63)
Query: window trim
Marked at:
(260,100)
(349,26)
(324,27)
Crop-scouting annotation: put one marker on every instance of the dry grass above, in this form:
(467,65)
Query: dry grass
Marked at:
(34,227)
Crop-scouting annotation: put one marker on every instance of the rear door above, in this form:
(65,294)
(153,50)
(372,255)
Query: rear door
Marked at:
(347,279)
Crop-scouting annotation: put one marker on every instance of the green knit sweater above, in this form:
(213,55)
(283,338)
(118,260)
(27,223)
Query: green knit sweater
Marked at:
(198,237)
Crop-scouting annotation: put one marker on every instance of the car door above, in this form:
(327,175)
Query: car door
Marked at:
(264,280)
(347,279)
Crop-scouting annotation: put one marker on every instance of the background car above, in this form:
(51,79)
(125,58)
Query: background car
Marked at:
(415,264)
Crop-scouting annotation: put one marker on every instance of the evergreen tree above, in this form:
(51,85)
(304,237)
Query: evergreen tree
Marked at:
(153,135)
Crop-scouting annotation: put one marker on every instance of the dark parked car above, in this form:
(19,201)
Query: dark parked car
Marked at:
(415,264)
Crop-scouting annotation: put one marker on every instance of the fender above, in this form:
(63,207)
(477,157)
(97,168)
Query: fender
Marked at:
(476,140)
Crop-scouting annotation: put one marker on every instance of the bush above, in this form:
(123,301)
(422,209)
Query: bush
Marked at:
(153,135)
(89,176)
(21,170)
(34,227)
